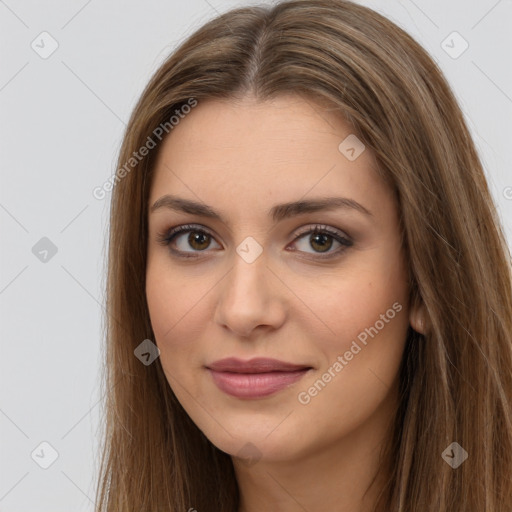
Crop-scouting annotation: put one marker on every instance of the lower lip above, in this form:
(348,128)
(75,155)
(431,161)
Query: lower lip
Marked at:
(255,385)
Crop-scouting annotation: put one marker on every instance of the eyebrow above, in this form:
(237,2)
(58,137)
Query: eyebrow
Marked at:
(277,212)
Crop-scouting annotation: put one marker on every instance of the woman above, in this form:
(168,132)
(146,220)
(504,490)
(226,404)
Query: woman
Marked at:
(309,291)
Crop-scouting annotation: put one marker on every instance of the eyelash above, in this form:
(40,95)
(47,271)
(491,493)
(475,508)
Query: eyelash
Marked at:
(165,238)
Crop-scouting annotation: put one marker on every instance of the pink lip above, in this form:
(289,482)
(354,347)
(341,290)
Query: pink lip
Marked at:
(255,378)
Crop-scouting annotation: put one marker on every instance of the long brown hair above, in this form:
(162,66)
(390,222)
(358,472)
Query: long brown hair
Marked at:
(455,381)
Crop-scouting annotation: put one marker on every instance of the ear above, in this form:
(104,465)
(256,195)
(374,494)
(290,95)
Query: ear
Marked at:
(418,318)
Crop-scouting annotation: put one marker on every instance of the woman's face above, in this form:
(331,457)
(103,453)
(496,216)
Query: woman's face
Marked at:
(249,279)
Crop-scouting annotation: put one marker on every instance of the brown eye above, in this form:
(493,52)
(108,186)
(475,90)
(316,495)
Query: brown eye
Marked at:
(321,242)
(198,240)
(321,239)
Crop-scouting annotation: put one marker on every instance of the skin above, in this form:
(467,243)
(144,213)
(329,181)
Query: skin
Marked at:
(241,158)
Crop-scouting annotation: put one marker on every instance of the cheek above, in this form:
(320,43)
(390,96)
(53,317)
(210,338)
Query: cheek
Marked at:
(166,304)
(368,312)
(360,364)
(177,303)
(369,297)
(159,295)
(165,312)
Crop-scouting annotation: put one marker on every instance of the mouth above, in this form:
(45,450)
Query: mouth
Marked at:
(256,378)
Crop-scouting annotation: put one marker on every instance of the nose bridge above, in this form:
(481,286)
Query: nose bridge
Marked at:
(247,297)
(249,268)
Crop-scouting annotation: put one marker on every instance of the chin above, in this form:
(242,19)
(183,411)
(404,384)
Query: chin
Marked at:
(253,439)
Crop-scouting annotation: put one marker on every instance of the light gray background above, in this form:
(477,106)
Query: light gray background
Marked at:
(61,124)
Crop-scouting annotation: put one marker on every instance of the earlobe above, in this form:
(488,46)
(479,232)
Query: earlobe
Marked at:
(418,319)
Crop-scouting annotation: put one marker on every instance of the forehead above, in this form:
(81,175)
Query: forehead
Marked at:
(248,151)
(248,125)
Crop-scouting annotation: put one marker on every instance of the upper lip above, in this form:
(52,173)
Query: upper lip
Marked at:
(256,365)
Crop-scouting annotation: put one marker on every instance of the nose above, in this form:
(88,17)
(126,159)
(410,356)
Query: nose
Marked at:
(250,296)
